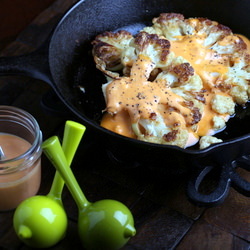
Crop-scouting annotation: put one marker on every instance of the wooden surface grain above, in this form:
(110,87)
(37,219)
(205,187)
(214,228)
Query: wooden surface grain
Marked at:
(164,217)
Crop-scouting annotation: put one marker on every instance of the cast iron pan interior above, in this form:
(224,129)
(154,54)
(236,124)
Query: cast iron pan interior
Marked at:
(72,64)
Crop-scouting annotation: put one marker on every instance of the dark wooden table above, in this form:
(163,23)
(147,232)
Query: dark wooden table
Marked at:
(164,218)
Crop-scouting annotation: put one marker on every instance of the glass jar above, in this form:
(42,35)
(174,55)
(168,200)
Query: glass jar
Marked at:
(20,156)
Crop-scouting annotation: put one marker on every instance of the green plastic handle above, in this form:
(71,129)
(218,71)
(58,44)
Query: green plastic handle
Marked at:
(73,133)
(53,150)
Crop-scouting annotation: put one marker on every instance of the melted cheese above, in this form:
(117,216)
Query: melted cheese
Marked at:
(206,62)
(140,97)
(119,123)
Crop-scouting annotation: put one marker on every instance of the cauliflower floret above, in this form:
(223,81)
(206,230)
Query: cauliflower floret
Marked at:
(155,48)
(238,77)
(229,45)
(210,30)
(151,45)
(124,55)
(218,123)
(173,26)
(170,25)
(180,74)
(176,138)
(157,131)
(108,49)
(223,104)
(207,140)
(239,93)
(182,79)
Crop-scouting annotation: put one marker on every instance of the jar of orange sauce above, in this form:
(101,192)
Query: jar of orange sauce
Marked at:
(20,156)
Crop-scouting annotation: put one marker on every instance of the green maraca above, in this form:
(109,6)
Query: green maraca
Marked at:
(105,224)
(41,221)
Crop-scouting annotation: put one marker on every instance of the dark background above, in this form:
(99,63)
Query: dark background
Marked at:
(15,15)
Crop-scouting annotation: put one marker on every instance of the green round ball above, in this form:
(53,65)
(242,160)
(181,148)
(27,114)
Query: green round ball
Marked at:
(40,222)
(105,224)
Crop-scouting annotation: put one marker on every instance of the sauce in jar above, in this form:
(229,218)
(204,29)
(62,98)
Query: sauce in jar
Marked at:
(20,164)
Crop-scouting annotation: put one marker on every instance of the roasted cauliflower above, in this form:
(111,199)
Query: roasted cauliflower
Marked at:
(176,82)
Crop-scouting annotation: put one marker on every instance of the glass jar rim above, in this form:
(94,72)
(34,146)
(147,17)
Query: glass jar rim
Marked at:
(38,134)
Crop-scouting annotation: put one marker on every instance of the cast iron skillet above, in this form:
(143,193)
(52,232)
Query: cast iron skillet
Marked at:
(65,62)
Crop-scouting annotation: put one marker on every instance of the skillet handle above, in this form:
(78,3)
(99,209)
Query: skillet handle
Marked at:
(215,197)
(228,177)
(34,64)
(239,184)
